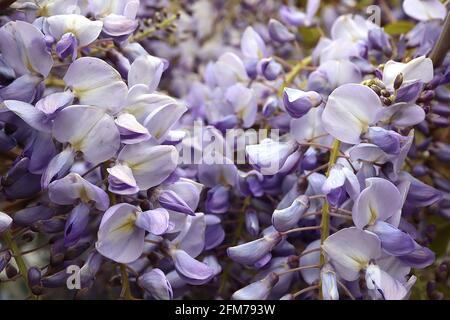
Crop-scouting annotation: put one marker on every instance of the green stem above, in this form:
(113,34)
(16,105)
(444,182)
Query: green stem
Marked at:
(325,223)
(293,73)
(126,292)
(23,270)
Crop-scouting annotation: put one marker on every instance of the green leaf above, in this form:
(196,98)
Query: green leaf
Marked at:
(399,27)
(310,36)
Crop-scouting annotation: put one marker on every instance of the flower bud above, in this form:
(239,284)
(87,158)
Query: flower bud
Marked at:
(285,219)
(297,102)
(250,252)
(389,141)
(34,280)
(379,40)
(270,106)
(252,222)
(156,283)
(270,69)
(329,283)
(169,200)
(258,290)
(11,271)
(279,32)
(67,46)
(398,81)
(217,200)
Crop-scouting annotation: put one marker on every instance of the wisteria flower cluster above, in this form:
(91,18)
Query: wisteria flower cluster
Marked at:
(220,150)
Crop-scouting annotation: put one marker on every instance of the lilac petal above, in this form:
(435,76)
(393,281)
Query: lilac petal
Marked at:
(131,131)
(76,224)
(73,187)
(383,284)
(279,32)
(252,45)
(25,88)
(162,119)
(333,74)
(31,115)
(351,27)
(258,290)
(297,102)
(146,70)
(420,68)
(393,240)
(421,194)
(24,49)
(244,103)
(292,16)
(269,156)
(57,166)
(171,201)
(94,134)
(117,25)
(250,252)
(252,223)
(54,102)
(424,10)
(150,164)
(420,258)
(308,259)
(43,151)
(154,221)
(67,46)
(349,111)
(329,283)
(387,140)
(217,200)
(403,115)
(351,250)
(102,86)
(118,237)
(156,283)
(188,190)
(191,238)
(121,180)
(409,92)
(190,270)
(214,234)
(85,30)
(5,222)
(378,201)
(309,127)
(288,218)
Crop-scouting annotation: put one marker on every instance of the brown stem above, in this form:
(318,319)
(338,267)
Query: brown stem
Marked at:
(442,45)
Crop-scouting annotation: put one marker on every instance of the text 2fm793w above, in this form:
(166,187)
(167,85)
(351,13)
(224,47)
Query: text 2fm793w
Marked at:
(246,309)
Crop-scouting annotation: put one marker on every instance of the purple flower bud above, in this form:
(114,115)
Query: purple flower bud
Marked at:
(270,106)
(76,224)
(90,269)
(34,280)
(409,92)
(7,142)
(298,102)
(19,169)
(250,252)
(52,225)
(270,69)
(55,280)
(442,151)
(258,290)
(252,68)
(389,141)
(421,194)
(252,222)
(169,200)
(379,40)
(279,32)
(67,46)
(28,216)
(285,219)
(218,200)
(226,123)
(441,109)
(190,270)
(156,283)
